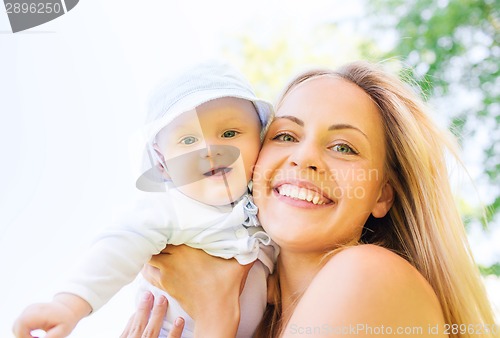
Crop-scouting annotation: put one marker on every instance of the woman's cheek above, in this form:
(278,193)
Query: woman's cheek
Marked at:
(353,181)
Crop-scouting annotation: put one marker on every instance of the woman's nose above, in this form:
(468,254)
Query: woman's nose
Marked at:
(306,156)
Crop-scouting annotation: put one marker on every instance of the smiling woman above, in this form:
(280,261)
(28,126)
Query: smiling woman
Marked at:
(359,119)
(351,182)
(315,140)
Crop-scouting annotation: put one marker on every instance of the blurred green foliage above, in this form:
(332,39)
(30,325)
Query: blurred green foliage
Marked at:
(453,49)
(271,62)
(490,270)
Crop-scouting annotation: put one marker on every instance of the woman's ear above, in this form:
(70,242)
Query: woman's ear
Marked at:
(161,165)
(384,201)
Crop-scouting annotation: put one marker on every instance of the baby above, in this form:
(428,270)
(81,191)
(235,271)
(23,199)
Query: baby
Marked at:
(203,139)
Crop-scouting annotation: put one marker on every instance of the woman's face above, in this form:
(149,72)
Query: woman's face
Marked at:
(320,172)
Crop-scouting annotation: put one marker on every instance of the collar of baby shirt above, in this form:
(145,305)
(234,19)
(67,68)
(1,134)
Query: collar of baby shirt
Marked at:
(191,214)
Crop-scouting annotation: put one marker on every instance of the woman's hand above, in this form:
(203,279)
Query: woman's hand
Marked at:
(141,325)
(204,285)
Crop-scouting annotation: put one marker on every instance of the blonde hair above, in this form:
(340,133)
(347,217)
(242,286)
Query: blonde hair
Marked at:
(424,225)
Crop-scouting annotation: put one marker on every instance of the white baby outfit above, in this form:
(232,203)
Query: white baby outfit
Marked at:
(173,218)
(163,215)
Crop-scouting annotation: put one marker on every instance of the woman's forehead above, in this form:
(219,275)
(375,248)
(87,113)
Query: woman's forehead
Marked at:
(326,94)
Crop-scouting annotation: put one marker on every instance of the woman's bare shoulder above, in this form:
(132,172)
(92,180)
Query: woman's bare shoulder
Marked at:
(367,259)
(368,285)
(379,272)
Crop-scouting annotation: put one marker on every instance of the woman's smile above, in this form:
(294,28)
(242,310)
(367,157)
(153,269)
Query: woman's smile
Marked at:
(301,193)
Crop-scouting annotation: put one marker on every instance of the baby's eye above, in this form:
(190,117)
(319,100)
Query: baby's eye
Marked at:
(344,149)
(229,133)
(284,137)
(188,140)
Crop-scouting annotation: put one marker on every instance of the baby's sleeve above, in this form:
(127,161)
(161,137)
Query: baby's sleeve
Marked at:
(119,253)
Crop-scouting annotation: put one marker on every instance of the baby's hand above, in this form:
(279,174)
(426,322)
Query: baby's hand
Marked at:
(57,318)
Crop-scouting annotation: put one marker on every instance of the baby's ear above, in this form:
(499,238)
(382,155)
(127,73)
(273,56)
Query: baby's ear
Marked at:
(161,164)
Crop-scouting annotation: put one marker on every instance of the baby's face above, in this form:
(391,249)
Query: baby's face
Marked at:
(210,152)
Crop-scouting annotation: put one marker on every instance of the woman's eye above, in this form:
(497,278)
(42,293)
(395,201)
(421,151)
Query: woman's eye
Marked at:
(285,137)
(188,140)
(229,133)
(344,149)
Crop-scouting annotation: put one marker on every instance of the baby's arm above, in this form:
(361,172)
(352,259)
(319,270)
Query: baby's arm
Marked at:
(58,318)
(113,261)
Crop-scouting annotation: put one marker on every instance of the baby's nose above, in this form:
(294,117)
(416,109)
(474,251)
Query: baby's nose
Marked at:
(223,153)
(211,151)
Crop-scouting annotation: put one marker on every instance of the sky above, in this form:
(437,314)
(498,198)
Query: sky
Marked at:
(73,94)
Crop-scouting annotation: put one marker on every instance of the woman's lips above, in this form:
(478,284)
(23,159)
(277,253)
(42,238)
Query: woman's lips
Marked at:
(303,193)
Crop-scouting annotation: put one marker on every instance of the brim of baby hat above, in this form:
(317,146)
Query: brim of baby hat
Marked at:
(151,181)
(191,101)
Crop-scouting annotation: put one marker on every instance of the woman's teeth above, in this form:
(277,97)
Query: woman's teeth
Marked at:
(303,194)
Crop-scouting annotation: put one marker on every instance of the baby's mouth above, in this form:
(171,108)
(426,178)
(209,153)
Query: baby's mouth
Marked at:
(217,172)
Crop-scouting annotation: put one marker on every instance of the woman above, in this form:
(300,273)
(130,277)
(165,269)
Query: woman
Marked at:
(352,159)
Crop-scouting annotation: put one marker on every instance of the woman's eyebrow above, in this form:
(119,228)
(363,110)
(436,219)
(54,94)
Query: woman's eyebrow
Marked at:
(345,126)
(291,118)
(332,127)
